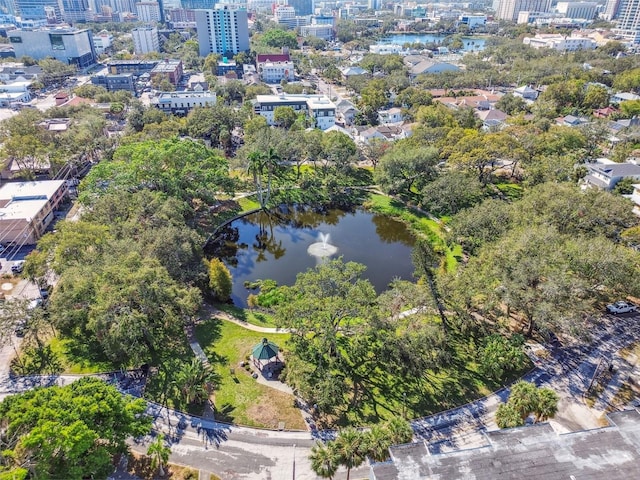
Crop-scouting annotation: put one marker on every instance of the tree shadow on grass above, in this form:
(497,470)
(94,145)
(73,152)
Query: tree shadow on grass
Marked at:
(85,355)
(225,413)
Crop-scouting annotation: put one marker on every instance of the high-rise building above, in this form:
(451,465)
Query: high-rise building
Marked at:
(224,30)
(70,46)
(628,20)
(586,10)
(38,9)
(611,9)
(509,9)
(198,4)
(145,40)
(148,12)
(75,10)
(302,7)
(374,4)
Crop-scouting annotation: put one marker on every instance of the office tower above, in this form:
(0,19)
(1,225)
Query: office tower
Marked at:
(374,4)
(145,40)
(224,30)
(7,7)
(37,9)
(75,10)
(509,9)
(148,12)
(629,20)
(611,9)
(123,5)
(302,7)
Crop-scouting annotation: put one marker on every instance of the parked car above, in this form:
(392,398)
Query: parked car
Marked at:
(21,326)
(18,266)
(621,307)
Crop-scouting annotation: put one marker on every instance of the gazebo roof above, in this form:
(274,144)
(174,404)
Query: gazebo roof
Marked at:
(265,350)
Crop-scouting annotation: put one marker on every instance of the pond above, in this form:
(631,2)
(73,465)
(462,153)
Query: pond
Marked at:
(276,246)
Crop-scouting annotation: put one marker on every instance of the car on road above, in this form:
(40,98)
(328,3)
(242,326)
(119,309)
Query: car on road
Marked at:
(621,307)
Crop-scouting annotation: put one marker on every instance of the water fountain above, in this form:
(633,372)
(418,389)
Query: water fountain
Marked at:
(322,248)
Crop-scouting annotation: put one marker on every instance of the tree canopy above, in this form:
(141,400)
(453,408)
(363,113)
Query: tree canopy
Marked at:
(69,432)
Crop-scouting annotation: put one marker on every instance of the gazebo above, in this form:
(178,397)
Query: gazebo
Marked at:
(264,352)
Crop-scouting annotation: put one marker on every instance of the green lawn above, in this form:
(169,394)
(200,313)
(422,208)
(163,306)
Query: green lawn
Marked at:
(512,191)
(419,223)
(241,399)
(247,204)
(76,359)
(258,318)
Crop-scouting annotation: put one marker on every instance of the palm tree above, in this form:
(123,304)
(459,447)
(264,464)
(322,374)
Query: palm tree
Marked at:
(324,460)
(350,448)
(194,381)
(159,453)
(523,398)
(546,405)
(271,163)
(399,430)
(378,443)
(256,169)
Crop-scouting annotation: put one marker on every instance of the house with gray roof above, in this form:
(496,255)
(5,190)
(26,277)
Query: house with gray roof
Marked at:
(605,174)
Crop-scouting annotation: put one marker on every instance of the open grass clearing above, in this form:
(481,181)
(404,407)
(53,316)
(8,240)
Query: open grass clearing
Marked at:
(240,398)
(254,317)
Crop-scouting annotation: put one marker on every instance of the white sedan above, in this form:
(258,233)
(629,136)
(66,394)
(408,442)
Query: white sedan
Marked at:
(621,307)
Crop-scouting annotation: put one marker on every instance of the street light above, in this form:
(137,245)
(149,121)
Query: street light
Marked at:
(294,461)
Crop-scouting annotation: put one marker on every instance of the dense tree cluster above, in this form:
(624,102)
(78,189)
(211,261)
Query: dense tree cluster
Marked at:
(524,400)
(69,432)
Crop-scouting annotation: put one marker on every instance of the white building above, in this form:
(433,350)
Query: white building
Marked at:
(628,20)
(224,30)
(577,10)
(14,92)
(317,30)
(561,43)
(385,49)
(181,103)
(148,12)
(509,9)
(274,68)
(318,107)
(145,40)
(473,21)
(102,41)
(605,174)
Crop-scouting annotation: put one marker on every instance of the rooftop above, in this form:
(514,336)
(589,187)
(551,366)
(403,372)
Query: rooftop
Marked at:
(23,200)
(534,452)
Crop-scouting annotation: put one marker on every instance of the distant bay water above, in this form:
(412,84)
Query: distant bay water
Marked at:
(471,44)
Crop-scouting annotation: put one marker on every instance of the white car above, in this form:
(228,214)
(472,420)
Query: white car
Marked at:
(621,307)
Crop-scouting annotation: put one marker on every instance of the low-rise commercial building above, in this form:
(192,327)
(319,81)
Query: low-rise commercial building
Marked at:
(273,68)
(318,107)
(169,69)
(26,209)
(181,103)
(561,43)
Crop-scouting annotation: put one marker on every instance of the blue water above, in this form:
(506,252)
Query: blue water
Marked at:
(470,43)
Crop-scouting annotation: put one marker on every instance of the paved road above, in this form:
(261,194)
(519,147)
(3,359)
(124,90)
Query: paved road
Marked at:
(253,454)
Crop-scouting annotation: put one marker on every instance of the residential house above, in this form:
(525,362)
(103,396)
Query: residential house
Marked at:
(349,72)
(620,97)
(392,115)
(390,133)
(605,174)
(346,112)
(492,118)
(605,112)
(526,92)
(571,121)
